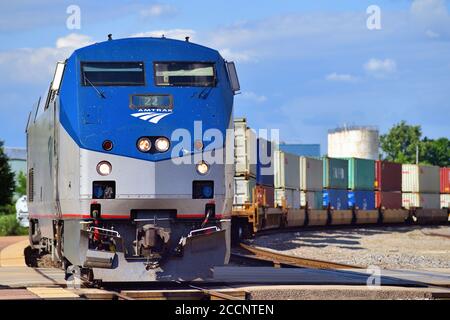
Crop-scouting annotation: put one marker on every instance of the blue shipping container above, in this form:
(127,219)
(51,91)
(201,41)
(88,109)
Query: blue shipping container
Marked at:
(364,200)
(336,198)
(264,164)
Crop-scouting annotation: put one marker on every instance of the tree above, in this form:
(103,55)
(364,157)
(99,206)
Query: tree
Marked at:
(7,183)
(21,185)
(399,144)
(435,152)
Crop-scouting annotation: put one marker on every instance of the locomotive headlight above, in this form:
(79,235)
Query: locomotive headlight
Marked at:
(144,144)
(104,168)
(162,144)
(202,168)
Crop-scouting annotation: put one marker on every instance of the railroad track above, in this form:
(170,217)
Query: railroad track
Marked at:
(279,259)
(174,290)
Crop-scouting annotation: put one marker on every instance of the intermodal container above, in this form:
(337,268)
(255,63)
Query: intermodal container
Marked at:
(335,173)
(445,200)
(244,149)
(335,198)
(420,178)
(445,180)
(265,163)
(291,197)
(421,200)
(361,199)
(388,176)
(265,195)
(311,174)
(361,174)
(287,170)
(311,199)
(243,190)
(388,199)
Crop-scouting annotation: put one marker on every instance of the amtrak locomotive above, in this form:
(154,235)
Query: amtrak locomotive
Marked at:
(127,172)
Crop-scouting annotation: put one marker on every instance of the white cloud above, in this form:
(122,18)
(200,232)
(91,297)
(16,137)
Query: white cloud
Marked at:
(340,77)
(179,34)
(74,41)
(431,16)
(34,65)
(253,97)
(230,55)
(431,34)
(429,9)
(380,67)
(157,10)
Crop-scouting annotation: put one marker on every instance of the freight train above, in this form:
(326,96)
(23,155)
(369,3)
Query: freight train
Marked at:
(118,185)
(302,191)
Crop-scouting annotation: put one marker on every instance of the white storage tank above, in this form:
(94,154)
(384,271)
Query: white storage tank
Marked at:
(420,178)
(354,142)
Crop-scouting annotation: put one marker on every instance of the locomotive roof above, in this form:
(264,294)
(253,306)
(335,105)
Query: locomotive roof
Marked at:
(127,47)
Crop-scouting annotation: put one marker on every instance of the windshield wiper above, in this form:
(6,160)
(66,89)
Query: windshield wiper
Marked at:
(101,94)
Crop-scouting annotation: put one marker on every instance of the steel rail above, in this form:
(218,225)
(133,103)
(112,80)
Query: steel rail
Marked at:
(278,258)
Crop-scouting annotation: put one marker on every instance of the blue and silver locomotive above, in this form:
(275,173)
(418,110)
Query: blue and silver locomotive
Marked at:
(128,177)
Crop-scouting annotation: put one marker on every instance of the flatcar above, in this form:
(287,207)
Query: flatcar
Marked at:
(119,183)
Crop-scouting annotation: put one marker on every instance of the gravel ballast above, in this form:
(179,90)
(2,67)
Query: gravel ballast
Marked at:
(409,247)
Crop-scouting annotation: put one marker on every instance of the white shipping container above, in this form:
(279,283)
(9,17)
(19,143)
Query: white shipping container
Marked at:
(244,148)
(421,200)
(243,190)
(445,200)
(292,198)
(420,178)
(314,199)
(287,170)
(311,174)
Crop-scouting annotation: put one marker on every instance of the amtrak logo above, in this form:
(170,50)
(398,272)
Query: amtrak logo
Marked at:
(151,116)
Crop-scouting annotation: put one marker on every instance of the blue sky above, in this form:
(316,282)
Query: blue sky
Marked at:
(304,66)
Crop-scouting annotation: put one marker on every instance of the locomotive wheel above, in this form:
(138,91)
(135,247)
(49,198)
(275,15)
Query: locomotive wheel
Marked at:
(34,234)
(31,256)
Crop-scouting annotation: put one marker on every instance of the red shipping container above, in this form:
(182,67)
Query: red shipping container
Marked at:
(269,192)
(388,200)
(388,176)
(445,180)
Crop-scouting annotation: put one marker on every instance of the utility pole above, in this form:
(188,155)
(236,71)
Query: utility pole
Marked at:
(417,154)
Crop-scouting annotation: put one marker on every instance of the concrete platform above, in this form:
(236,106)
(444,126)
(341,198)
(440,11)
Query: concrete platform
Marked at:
(20,277)
(12,255)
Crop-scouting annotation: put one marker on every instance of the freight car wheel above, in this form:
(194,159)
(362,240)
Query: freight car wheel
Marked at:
(240,229)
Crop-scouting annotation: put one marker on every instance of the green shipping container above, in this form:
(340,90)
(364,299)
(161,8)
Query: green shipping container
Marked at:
(335,173)
(361,174)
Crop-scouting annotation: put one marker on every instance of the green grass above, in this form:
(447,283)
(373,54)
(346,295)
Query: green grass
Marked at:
(10,227)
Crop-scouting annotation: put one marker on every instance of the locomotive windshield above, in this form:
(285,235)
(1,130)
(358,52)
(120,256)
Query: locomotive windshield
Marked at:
(190,74)
(113,73)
